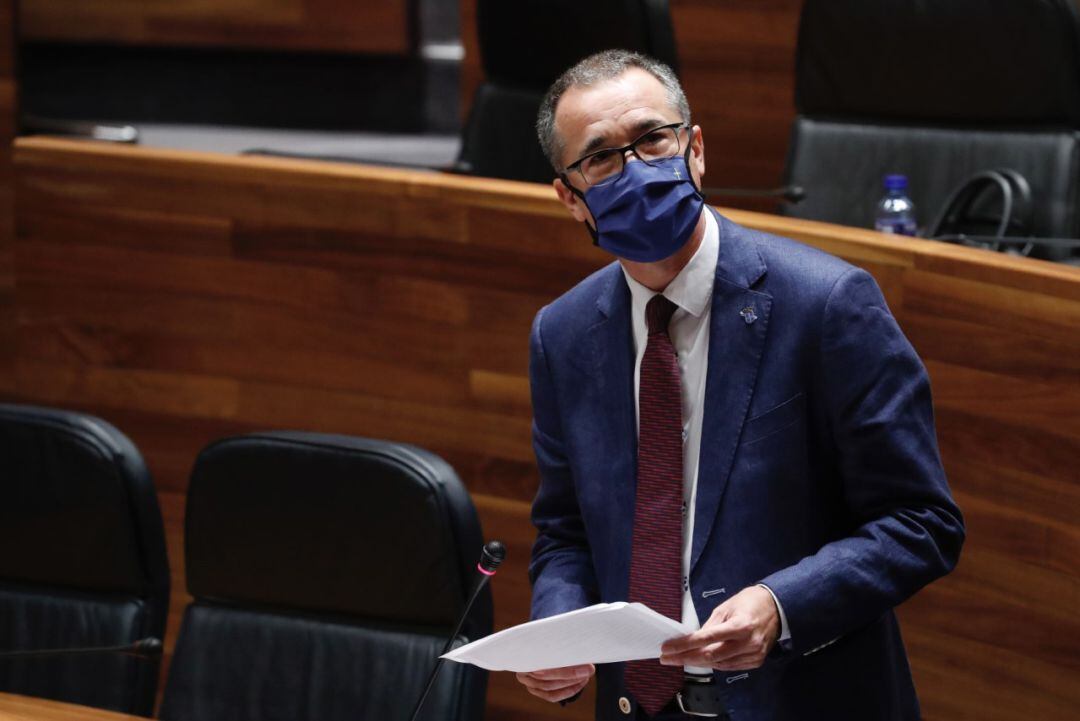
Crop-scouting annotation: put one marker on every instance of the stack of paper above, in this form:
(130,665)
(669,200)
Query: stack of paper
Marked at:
(604,633)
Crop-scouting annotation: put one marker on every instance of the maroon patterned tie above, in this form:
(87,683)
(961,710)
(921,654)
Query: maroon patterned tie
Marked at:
(656,557)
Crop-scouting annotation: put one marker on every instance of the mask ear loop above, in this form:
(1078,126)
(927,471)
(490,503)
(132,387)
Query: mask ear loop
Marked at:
(592,231)
(686,159)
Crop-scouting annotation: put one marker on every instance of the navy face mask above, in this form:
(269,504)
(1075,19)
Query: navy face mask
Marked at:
(649,213)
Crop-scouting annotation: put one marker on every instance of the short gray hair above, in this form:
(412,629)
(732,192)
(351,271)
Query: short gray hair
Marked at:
(594,69)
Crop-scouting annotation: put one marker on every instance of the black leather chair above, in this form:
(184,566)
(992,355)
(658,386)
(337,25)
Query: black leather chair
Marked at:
(938,91)
(327,572)
(82,559)
(524,47)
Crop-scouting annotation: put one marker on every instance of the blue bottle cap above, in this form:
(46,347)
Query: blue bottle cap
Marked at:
(895,181)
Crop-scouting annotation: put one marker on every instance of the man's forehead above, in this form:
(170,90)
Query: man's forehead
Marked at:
(625,103)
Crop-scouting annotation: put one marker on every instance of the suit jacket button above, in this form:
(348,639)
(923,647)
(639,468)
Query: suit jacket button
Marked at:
(624,705)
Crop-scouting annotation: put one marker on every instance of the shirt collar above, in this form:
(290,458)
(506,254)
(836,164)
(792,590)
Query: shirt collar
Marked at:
(692,288)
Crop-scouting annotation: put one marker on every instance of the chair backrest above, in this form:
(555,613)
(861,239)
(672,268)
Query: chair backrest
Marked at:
(82,559)
(524,47)
(327,573)
(937,91)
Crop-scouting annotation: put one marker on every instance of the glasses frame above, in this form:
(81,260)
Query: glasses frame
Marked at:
(576,165)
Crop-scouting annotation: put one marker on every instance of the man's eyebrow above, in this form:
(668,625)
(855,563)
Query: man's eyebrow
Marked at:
(642,126)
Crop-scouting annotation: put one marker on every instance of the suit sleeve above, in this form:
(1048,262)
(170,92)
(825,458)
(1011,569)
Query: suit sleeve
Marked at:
(905,529)
(561,569)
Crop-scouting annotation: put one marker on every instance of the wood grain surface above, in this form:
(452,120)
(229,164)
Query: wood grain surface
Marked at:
(186,296)
(328,25)
(8,124)
(25,708)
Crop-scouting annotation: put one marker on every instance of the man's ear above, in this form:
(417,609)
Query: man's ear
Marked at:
(697,154)
(571,200)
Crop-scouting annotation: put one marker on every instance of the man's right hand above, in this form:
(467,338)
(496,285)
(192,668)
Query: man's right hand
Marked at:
(557,684)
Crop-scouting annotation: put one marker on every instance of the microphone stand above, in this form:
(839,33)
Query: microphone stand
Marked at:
(790,193)
(143,648)
(490,559)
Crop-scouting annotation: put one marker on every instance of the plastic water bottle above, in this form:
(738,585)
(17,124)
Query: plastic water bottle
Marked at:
(895,211)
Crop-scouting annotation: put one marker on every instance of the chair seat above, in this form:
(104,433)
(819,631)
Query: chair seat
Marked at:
(43,618)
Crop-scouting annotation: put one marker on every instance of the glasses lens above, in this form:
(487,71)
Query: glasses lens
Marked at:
(602,167)
(657,145)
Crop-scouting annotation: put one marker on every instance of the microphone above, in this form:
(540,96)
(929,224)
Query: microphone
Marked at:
(148,647)
(790,193)
(491,556)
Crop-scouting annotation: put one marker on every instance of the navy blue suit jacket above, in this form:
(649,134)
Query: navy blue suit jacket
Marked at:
(819,472)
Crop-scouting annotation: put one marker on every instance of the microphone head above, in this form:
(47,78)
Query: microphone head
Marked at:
(492,555)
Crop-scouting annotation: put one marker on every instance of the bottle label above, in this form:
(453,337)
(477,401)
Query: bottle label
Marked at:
(898,227)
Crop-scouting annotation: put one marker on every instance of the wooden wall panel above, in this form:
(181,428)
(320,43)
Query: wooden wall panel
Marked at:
(8,113)
(186,297)
(328,25)
(738,70)
(472,71)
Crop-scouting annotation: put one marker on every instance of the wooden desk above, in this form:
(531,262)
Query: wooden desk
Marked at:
(187,296)
(324,25)
(27,708)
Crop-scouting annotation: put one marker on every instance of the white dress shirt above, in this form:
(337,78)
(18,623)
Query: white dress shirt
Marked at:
(691,291)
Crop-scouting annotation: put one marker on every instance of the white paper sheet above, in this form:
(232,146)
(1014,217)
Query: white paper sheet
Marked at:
(604,633)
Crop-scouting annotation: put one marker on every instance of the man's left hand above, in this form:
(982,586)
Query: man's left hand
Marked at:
(737,637)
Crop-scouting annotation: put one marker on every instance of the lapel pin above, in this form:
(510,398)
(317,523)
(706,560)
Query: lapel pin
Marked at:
(748,314)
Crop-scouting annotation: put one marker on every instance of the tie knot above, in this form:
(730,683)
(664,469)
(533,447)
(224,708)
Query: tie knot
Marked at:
(658,314)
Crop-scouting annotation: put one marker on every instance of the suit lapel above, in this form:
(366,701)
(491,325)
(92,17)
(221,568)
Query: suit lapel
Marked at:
(610,358)
(738,328)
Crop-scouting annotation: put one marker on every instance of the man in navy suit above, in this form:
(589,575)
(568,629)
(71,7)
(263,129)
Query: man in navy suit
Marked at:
(763,384)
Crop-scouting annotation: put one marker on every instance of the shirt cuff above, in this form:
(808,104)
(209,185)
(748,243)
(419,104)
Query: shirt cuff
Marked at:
(785,632)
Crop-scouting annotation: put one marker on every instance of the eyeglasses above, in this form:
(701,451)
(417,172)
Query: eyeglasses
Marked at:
(606,166)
